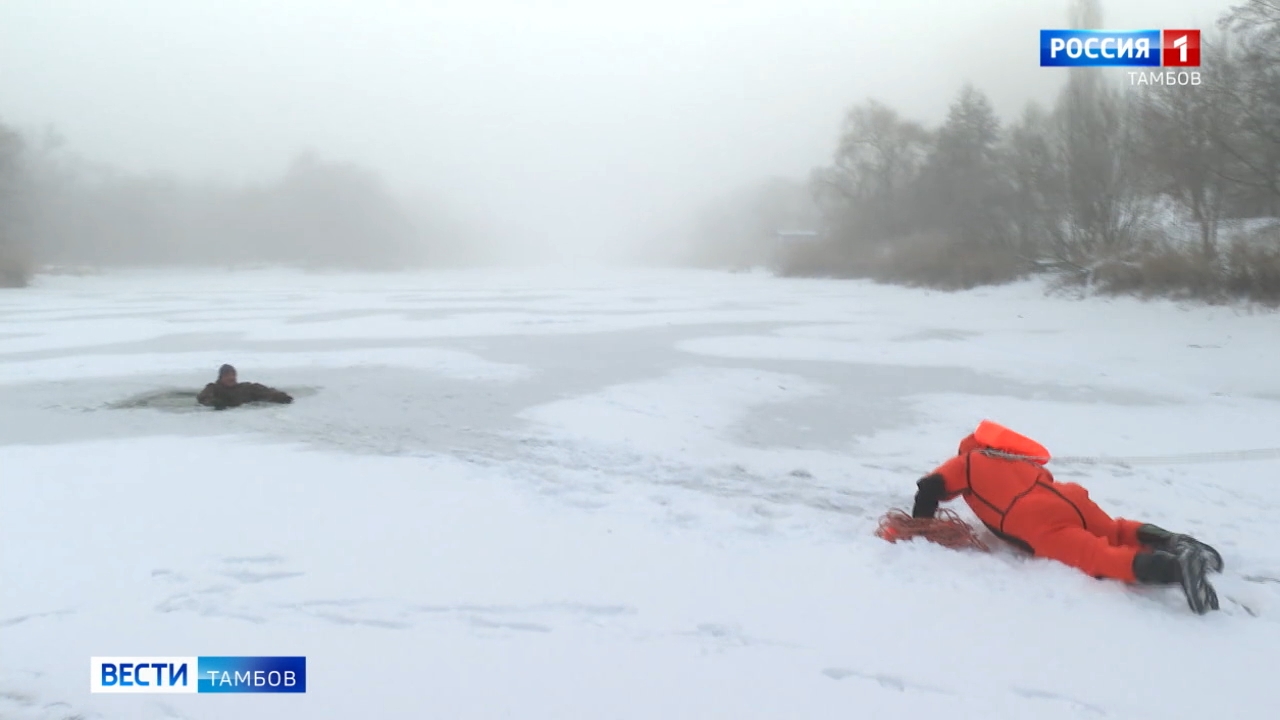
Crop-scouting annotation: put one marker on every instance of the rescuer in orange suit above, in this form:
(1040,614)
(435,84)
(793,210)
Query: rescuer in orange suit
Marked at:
(1001,475)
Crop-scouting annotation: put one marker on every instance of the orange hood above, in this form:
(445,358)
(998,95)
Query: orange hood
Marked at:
(969,444)
(998,437)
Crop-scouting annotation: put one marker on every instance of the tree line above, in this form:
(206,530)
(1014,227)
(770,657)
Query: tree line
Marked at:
(1170,189)
(59,210)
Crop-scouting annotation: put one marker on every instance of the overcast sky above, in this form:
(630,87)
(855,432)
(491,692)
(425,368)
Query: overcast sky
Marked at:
(581,126)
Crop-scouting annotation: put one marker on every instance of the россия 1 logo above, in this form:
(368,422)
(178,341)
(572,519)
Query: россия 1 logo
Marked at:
(203,674)
(1119,48)
(1126,48)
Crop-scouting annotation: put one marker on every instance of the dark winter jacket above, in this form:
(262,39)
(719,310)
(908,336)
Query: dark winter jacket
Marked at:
(221,397)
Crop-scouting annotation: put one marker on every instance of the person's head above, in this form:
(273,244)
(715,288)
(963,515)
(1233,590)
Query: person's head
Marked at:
(226,375)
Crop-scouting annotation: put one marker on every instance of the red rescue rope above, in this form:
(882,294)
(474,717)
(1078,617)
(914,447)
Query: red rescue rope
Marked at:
(946,529)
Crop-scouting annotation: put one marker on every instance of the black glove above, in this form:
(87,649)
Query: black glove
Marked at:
(929,492)
(1161,539)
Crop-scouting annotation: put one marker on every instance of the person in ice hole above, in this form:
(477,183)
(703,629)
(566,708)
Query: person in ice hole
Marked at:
(227,392)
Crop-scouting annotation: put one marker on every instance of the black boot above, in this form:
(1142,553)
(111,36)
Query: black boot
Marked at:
(1156,568)
(1161,539)
(1200,594)
(1186,568)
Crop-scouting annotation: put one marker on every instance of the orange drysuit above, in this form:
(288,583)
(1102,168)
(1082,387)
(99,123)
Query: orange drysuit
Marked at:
(1018,500)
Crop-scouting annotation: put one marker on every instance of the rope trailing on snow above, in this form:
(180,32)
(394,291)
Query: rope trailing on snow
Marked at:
(1181,459)
(946,529)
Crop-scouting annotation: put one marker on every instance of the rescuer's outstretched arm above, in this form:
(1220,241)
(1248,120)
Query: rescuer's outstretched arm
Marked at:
(930,491)
(946,482)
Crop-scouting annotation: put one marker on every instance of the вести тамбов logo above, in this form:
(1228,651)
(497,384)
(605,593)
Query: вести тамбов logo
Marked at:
(1177,52)
(198,674)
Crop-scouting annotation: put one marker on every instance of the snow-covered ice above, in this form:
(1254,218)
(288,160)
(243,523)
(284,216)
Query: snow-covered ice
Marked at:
(609,494)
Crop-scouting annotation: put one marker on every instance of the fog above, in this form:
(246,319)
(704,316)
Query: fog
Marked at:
(539,130)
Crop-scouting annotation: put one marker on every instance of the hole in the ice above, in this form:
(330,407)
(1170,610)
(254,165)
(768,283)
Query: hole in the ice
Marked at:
(184,400)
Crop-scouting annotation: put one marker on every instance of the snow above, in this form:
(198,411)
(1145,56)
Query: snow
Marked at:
(606,493)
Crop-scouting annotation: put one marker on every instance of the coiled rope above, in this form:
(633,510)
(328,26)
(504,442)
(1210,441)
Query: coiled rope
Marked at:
(946,529)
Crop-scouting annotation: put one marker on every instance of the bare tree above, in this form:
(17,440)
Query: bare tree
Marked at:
(1085,14)
(1036,179)
(14,252)
(331,214)
(319,213)
(964,190)
(968,203)
(1094,134)
(1178,127)
(1247,87)
(879,157)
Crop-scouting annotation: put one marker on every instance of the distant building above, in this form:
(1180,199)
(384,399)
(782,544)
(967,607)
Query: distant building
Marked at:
(794,237)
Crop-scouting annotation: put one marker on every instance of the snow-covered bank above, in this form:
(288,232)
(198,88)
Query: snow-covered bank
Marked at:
(641,494)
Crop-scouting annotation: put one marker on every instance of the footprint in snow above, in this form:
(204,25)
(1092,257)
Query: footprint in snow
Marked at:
(1243,605)
(236,600)
(249,576)
(892,682)
(222,599)
(19,619)
(363,612)
(483,616)
(1034,694)
(486,624)
(22,705)
(256,571)
(170,711)
(1260,579)
(168,576)
(16,698)
(725,635)
(393,615)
